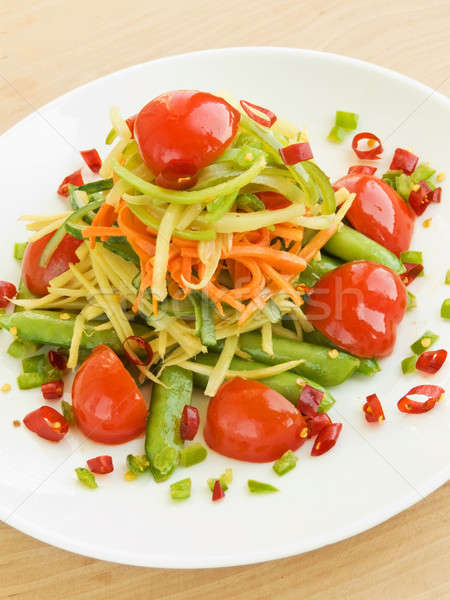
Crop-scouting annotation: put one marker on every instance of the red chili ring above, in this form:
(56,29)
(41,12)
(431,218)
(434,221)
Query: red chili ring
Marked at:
(433,393)
(57,360)
(143,344)
(373,153)
(361,169)
(271,117)
(296,153)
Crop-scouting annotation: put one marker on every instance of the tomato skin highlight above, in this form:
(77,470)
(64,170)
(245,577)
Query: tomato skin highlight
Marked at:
(249,421)
(37,278)
(180,132)
(108,406)
(379,212)
(358,307)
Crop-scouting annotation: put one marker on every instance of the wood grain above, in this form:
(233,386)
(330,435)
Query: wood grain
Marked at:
(48,47)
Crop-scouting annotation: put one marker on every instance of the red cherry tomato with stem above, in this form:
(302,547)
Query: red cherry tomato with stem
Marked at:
(379,212)
(37,278)
(358,307)
(249,421)
(108,406)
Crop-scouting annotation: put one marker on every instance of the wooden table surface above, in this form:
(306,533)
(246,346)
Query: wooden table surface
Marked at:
(48,47)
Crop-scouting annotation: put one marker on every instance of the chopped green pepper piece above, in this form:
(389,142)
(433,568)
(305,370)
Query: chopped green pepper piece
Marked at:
(258,487)
(424,342)
(225,479)
(34,364)
(412,301)
(447,277)
(28,381)
(19,250)
(412,256)
(337,134)
(368,366)
(403,185)
(409,364)
(192,455)
(68,412)
(347,120)
(390,178)
(93,187)
(285,464)
(21,348)
(247,155)
(445,309)
(180,490)
(249,203)
(86,477)
(422,172)
(138,464)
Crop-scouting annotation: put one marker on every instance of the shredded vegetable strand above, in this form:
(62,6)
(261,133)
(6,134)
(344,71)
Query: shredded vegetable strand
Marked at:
(223,363)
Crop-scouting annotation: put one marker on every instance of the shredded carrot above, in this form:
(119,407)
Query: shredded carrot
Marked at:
(278,258)
(317,242)
(254,287)
(104,232)
(282,284)
(289,233)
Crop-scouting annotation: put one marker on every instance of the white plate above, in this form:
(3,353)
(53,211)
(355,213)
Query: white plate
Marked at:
(373,473)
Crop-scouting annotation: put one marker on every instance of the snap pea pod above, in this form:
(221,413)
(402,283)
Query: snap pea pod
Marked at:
(348,244)
(367,366)
(316,269)
(317,365)
(46,327)
(162,439)
(288,384)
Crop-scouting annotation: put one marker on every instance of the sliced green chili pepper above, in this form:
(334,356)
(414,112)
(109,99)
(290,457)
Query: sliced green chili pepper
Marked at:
(285,464)
(337,134)
(192,455)
(324,185)
(181,489)
(138,464)
(249,203)
(412,301)
(347,120)
(288,384)
(423,172)
(348,245)
(101,185)
(409,364)
(390,178)
(162,441)
(19,250)
(86,477)
(424,342)
(68,412)
(225,479)
(445,309)
(258,487)
(403,185)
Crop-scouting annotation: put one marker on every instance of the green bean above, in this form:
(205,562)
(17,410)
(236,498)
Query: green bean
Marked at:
(348,244)
(162,440)
(288,384)
(317,364)
(21,348)
(367,366)
(46,327)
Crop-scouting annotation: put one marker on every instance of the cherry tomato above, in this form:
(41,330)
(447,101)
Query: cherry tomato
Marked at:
(358,307)
(181,132)
(273,201)
(108,406)
(379,212)
(249,421)
(37,278)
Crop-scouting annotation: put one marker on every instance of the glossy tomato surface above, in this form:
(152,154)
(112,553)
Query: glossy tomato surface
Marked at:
(37,278)
(181,132)
(379,212)
(358,306)
(249,421)
(108,406)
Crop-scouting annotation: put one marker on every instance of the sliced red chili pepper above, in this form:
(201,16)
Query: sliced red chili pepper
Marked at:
(435,195)
(413,270)
(53,390)
(404,161)
(373,409)
(74,178)
(420,199)
(48,423)
(317,423)
(326,439)
(190,421)
(309,401)
(296,153)
(139,343)
(431,361)
(372,153)
(265,122)
(364,169)
(218,492)
(7,291)
(92,159)
(101,465)
(130,122)
(433,394)
(57,360)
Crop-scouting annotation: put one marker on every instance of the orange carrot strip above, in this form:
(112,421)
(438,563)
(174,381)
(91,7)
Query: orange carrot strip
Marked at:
(100,231)
(254,287)
(279,258)
(317,242)
(288,233)
(282,283)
